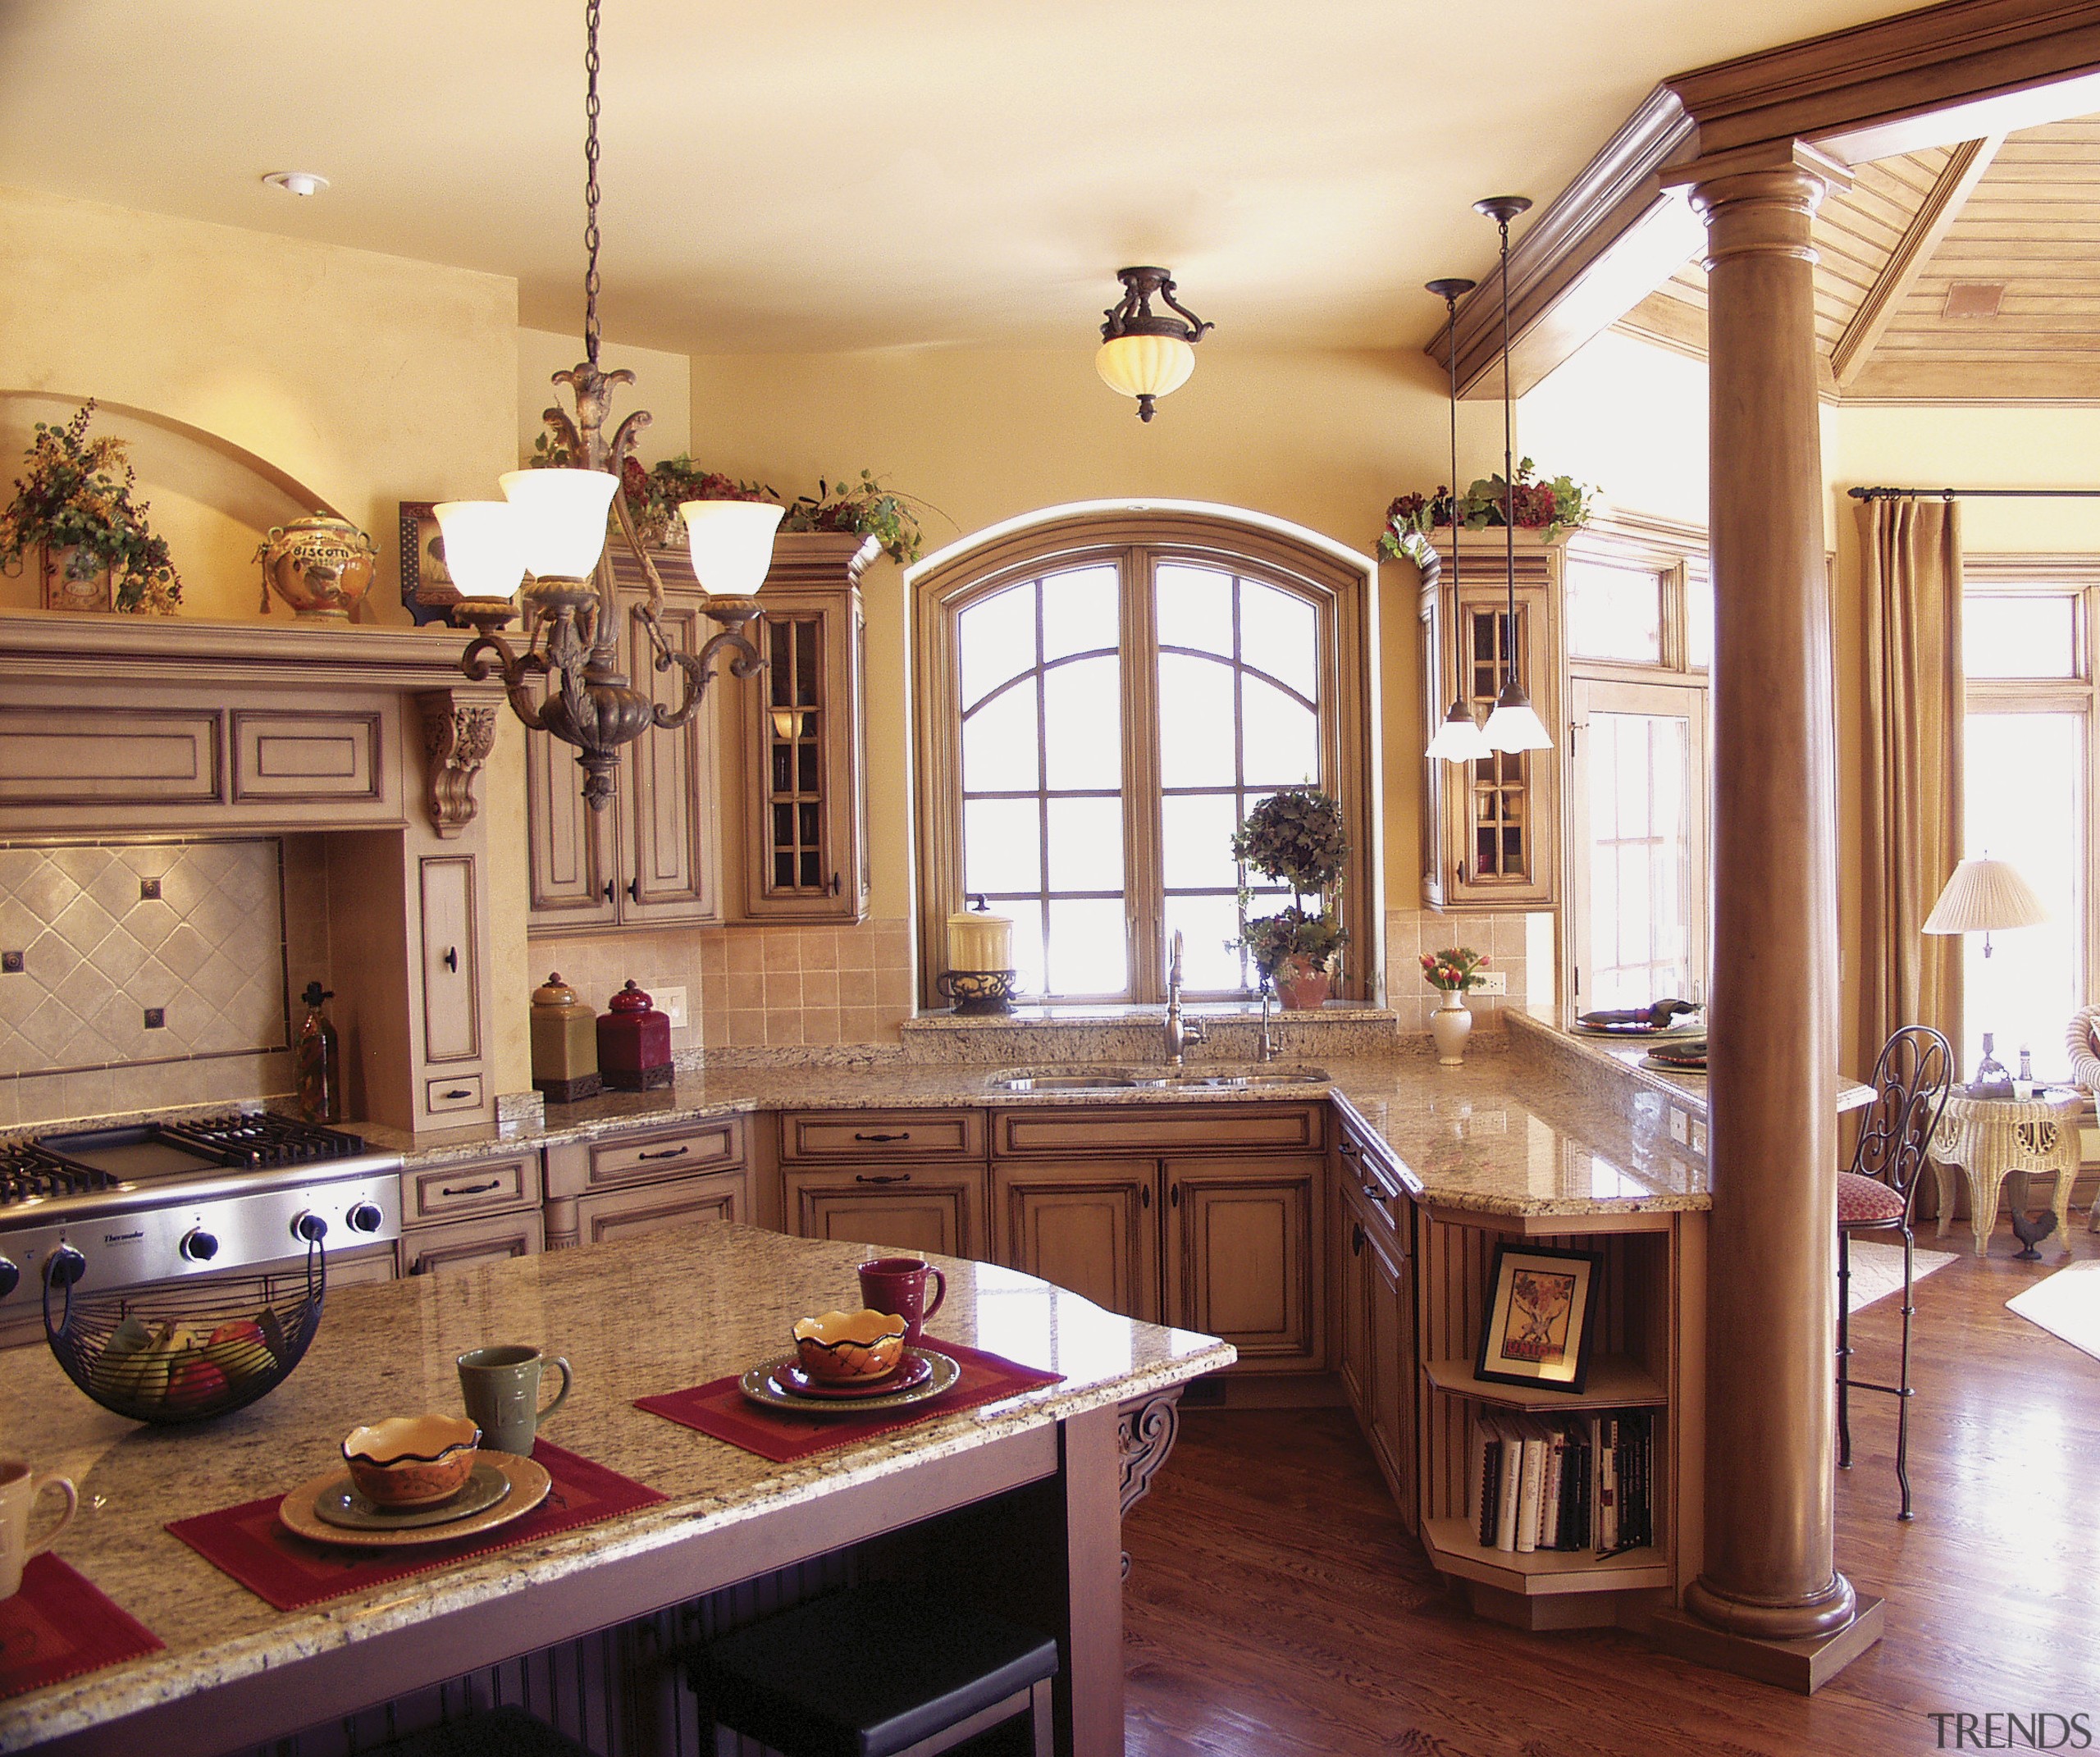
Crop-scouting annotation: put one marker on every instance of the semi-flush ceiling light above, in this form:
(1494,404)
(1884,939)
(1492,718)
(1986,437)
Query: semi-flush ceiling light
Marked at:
(1459,739)
(1144,353)
(551,524)
(297,182)
(1514,725)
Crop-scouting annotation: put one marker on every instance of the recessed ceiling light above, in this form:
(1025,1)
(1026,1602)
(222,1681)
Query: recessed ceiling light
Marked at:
(297,182)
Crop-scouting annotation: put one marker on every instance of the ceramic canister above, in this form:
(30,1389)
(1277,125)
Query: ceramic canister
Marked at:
(978,940)
(321,566)
(564,1044)
(634,1044)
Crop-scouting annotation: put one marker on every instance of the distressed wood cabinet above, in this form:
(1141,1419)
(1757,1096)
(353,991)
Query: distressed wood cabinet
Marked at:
(662,1207)
(1242,1259)
(1090,1225)
(470,1212)
(905,1181)
(646,1178)
(1375,1309)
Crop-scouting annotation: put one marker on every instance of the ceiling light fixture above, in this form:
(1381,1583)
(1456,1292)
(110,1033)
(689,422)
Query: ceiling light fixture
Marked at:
(1144,353)
(1514,725)
(297,182)
(1459,739)
(551,524)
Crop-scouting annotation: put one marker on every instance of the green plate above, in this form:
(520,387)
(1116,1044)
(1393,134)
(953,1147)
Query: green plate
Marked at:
(340,1504)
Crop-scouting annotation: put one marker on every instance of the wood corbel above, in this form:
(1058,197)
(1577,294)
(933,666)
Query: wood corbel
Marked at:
(1146,1430)
(458,733)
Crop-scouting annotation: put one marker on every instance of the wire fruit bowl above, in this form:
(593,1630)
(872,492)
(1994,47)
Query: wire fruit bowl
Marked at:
(186,1351)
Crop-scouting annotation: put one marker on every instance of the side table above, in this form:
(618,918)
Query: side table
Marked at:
(1990,1139)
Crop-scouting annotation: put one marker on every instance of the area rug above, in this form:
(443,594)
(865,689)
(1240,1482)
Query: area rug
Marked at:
(2067,1305)
(1878,1271)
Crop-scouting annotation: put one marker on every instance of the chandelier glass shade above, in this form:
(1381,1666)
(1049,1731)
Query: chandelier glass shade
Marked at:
(482,551)
(561,519)
(1459,739)
(1145,366)
(730,543)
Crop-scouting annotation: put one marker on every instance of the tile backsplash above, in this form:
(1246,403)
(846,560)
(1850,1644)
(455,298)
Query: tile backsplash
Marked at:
(152,972)
(1519,946)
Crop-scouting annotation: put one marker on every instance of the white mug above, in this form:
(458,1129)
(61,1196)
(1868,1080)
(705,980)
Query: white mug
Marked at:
(19,1488)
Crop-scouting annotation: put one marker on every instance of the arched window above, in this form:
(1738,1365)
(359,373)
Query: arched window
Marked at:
(1101,697)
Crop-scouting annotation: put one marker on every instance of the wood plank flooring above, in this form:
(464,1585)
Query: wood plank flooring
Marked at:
(1276,1608)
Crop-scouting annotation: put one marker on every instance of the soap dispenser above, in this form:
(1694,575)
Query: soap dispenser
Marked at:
(317,1063)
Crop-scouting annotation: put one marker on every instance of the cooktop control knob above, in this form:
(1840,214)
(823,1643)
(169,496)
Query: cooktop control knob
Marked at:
(365,1217)
(310,1228)
(11,1278)
(64,1266)
(198,1246)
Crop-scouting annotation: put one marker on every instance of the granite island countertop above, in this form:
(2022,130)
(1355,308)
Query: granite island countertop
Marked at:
(691,1307)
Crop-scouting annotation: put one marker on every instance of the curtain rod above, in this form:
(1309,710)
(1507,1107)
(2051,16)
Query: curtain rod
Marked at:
(1974,493)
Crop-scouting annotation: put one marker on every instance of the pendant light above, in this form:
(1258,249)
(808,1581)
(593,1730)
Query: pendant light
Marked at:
(1459,739)
(1513,725)
(1145,354)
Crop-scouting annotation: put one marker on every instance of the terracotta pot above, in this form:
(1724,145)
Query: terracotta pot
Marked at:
(62,592)
(1302,986)
(1451,1025)
(321,566)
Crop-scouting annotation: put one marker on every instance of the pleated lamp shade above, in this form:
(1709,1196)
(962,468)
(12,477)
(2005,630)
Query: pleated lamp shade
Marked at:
(1984,896)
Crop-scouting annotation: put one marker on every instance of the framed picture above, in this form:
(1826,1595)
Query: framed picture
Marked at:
(427,588)
(1541,1311)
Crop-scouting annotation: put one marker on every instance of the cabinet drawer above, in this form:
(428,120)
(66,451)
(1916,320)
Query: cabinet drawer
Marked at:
(714,1145)
(828,1137)
(454,1092)
(1162,1129)
(1364,1169)
(934,1210)
(479,1187)
(291,757)
(464,1244)
(720,1196)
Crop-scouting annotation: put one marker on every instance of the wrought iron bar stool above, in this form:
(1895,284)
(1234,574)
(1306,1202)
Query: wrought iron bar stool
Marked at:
(877,1670)
(1910,1081)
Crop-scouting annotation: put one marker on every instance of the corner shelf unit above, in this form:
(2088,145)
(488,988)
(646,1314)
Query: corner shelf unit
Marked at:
(1649,1349)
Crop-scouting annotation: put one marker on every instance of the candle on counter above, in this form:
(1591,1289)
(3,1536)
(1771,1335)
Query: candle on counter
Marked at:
(978,940)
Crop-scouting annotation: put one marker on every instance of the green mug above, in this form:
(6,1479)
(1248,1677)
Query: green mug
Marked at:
(501,1388)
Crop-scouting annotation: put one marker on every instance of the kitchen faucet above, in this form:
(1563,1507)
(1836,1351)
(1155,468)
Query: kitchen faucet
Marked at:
(1265,1050)
(1180,1034)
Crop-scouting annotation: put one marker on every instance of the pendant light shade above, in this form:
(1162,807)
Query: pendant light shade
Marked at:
(482,551)
(1515,724)
(1147,353)
(1459,739)
(561,519)
(730,543)
(1984,895)
(1145,366)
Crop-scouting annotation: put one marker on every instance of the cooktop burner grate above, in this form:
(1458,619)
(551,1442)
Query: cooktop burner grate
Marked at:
(258,1138)
(27,1171)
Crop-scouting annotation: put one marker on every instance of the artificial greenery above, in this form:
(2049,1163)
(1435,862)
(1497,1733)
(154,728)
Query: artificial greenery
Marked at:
(866,508)
(72,499)
(1453,970)
(1296,835)
(1534,502)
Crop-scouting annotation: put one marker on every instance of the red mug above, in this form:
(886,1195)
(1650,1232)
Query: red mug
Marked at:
(897,1284)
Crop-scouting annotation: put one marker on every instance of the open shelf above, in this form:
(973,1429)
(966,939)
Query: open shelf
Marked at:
(1454,1548)
(1615,1382)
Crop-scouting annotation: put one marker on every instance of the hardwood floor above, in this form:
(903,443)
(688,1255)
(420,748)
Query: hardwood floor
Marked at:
(1276,1608)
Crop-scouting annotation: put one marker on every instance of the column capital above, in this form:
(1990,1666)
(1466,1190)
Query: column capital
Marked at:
(1775,187)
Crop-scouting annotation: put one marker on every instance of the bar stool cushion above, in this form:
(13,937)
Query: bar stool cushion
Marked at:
(499,1733)
(1866,1201)
(866,1673)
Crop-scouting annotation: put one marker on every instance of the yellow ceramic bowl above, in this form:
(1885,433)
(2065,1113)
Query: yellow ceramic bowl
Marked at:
(840,1347)
(412,1461)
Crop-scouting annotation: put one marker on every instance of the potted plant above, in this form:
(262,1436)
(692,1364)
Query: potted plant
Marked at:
(95,550)
(1296,836)
(1452,972)
(1535,503)
(865,508)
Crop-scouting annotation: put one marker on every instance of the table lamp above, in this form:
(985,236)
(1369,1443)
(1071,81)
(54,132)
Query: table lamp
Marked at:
(1983,896)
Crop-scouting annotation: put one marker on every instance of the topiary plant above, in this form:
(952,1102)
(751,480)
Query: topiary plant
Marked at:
(1296,836)
(70,499)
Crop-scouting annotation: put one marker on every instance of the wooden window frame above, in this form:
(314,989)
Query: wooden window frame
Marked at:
(1341,587)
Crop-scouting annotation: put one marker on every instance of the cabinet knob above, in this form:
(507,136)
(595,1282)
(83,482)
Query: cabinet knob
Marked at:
(608,890)
(834,884)
(634,890)
(1356,1239)
(452,958)
(1144,1195)
(1174,1195)
(1349,1150)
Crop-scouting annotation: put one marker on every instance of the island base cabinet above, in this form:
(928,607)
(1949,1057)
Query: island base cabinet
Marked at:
(468,1244)
(677,1201)
(921,1211)
(1240,1257)
(1091,1226)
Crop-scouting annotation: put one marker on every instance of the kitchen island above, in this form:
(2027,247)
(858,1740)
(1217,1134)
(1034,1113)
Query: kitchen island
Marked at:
(1044,1472)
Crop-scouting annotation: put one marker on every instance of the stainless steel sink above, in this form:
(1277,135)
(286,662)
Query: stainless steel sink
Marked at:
(1225,1077)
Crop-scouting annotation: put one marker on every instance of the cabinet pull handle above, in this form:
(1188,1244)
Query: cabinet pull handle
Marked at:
(1174,1195)
(903,1135)
(452,958)
(634,889)
(1350,1150)
(457,1092)
(1356,1239)
(834,884)
(1144,1195)
(1372,1194)
(669,1153)
(608,890)
(878,1177)
(469,1189)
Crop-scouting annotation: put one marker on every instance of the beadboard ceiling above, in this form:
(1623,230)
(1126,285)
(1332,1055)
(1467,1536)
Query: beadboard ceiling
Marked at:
(2011,227)
(807,175)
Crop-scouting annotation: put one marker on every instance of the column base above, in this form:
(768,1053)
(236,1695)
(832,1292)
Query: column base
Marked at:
(1803,1665)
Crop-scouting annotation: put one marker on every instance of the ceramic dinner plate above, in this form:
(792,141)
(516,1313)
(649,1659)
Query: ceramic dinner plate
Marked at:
(911,1372)
(343,1507)
(1641,1032)
(528,1485)
(762,1385)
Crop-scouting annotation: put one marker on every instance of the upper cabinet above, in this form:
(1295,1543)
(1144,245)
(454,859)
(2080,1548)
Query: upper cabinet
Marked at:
(1490,829)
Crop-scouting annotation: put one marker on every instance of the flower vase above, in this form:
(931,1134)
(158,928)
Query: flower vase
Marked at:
(1451,1024)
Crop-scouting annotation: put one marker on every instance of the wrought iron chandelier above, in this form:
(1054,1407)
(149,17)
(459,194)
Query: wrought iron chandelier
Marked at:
(1145,354)
(551,525)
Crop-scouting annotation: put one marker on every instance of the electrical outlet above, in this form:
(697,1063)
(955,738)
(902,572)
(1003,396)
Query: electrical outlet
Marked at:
(1698,1136)
(1493,981)
(1680,1126)
(671,1002)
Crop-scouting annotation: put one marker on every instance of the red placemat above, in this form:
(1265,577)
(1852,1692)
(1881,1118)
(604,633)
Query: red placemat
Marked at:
(719,1409)
(59,1626)
(248,1543)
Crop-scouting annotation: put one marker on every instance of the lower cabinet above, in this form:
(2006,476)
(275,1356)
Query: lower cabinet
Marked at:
(1372,1247)
(658,1207)
(462,1213)
(467,1244)
(1242,1261)
(937,1208)
(1088,1225)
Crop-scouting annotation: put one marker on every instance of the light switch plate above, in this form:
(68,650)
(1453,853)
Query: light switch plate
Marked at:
(671,1002)
(1680,1126)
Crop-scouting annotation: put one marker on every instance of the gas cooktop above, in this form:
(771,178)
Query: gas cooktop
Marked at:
(80,1161)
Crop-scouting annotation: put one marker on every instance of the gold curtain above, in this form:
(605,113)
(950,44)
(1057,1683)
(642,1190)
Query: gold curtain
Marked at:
(1911,796)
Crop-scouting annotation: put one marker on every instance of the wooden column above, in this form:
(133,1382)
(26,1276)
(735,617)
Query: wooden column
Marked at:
(1772,1019)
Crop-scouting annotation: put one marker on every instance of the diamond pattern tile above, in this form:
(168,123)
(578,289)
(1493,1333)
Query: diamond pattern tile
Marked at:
(209,951)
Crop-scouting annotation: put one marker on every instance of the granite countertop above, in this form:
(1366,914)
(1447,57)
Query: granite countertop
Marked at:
(694,1305)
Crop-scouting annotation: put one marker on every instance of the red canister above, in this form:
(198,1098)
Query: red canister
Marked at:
(634,1044)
